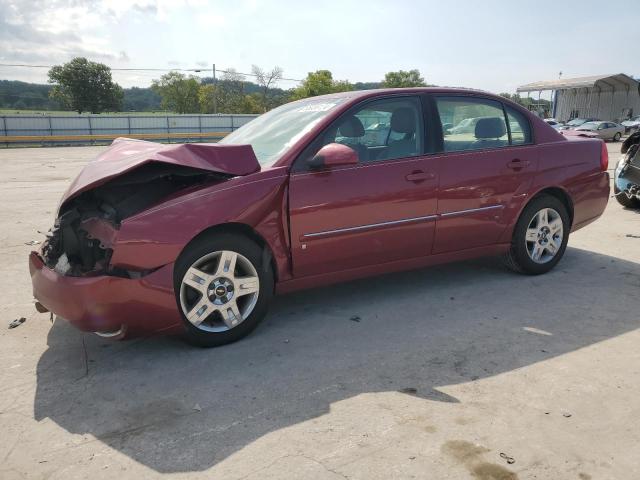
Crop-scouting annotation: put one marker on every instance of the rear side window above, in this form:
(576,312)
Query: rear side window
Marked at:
(471,123)
(519,127)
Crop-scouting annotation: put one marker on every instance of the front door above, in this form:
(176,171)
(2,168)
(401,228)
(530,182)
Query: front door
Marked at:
(382,209)
(486,168)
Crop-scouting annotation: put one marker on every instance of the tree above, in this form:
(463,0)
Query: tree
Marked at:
(179,92)
(252,103)
(402,79)
(320,82)
(85,86)
(266,80)
(226,96)
(141,99)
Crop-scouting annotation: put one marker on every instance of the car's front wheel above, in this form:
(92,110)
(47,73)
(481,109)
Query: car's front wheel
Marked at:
(617,137)
(540,236)
(222,288)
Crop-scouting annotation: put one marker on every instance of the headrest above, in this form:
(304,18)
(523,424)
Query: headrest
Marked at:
(491,127)
(351,127)
(403,120)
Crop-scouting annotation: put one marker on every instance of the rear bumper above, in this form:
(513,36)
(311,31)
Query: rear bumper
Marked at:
(107,304)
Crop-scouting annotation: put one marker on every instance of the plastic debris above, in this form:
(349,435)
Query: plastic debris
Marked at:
(355,318)
(32,242)
(197,407)
(17,322)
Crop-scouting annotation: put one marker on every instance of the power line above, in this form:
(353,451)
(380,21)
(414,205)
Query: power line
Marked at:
(194,70)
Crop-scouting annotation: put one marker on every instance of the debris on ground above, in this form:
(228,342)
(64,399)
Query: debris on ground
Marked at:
(32,242)
(510,460)
(197,407)
(566,414)
(286,340)
(355,318)
(631,235)
(17,322)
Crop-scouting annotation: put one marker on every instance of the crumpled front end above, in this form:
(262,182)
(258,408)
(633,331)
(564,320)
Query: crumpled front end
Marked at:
(108,305)
(73,274)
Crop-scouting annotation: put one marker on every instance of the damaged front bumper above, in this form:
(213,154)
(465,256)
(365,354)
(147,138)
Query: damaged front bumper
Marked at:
(113,306)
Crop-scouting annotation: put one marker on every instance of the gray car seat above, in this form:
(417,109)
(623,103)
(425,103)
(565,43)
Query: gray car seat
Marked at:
(351,127)
(403,120)
(488,132)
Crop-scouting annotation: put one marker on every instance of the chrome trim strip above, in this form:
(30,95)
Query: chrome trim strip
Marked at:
(471,210)
(366,227)
(399,222)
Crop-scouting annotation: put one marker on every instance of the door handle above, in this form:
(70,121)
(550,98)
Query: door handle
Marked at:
(419,176)
(517,164)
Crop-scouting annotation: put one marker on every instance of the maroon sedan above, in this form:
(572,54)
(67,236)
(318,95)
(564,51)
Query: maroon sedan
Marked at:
(197,238)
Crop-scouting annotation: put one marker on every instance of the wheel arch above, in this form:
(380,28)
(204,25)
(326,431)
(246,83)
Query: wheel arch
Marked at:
(245,230)
(555,191)
(558,192)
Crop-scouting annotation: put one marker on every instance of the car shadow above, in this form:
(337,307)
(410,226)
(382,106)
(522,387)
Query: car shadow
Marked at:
(175,408)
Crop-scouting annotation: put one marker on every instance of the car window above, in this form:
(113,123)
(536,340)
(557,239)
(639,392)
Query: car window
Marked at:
(475,123)
(381,130)
(519,127)
(272,134)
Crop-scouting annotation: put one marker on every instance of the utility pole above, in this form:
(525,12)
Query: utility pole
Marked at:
(215,90)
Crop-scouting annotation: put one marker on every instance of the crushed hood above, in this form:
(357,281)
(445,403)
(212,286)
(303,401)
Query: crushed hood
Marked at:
(126,154)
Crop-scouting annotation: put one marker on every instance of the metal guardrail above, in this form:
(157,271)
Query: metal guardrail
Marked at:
(107,138)
(23,130)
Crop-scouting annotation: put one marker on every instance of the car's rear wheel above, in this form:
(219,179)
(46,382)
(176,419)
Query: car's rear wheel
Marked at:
(617,137)
(540,236)
(222,288)
(624,199)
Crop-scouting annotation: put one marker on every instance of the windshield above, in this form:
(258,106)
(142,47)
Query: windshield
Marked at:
(590,126)
(271,135)
(576,121)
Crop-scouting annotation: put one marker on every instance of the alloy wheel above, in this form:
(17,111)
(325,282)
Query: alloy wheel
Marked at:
(219,291)
(544,235)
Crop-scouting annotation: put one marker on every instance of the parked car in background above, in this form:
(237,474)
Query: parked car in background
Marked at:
(576,122)
(553,122)
(195,239)
(626,182)
(602,130)
(631,124)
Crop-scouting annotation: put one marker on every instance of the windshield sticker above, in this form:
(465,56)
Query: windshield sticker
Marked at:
(316,107)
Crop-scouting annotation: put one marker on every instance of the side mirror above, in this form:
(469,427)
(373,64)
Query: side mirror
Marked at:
(333,155)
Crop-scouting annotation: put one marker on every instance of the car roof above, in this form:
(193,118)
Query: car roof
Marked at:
(382,91)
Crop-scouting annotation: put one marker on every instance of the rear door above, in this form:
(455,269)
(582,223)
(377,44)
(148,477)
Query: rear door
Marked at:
(484,173)
(379,211)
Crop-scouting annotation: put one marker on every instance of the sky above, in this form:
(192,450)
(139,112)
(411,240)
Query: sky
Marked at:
(491,45)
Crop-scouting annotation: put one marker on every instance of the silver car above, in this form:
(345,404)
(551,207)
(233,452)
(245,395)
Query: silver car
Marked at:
(604,130)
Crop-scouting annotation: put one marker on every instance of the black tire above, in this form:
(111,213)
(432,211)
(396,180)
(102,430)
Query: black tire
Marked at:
(517,258)
(624,200)
(215,242)
(617,137)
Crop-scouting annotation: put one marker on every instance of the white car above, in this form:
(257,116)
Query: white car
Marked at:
(631,124)
(553,122)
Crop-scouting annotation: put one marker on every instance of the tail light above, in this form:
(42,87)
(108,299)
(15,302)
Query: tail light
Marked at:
(604,157)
